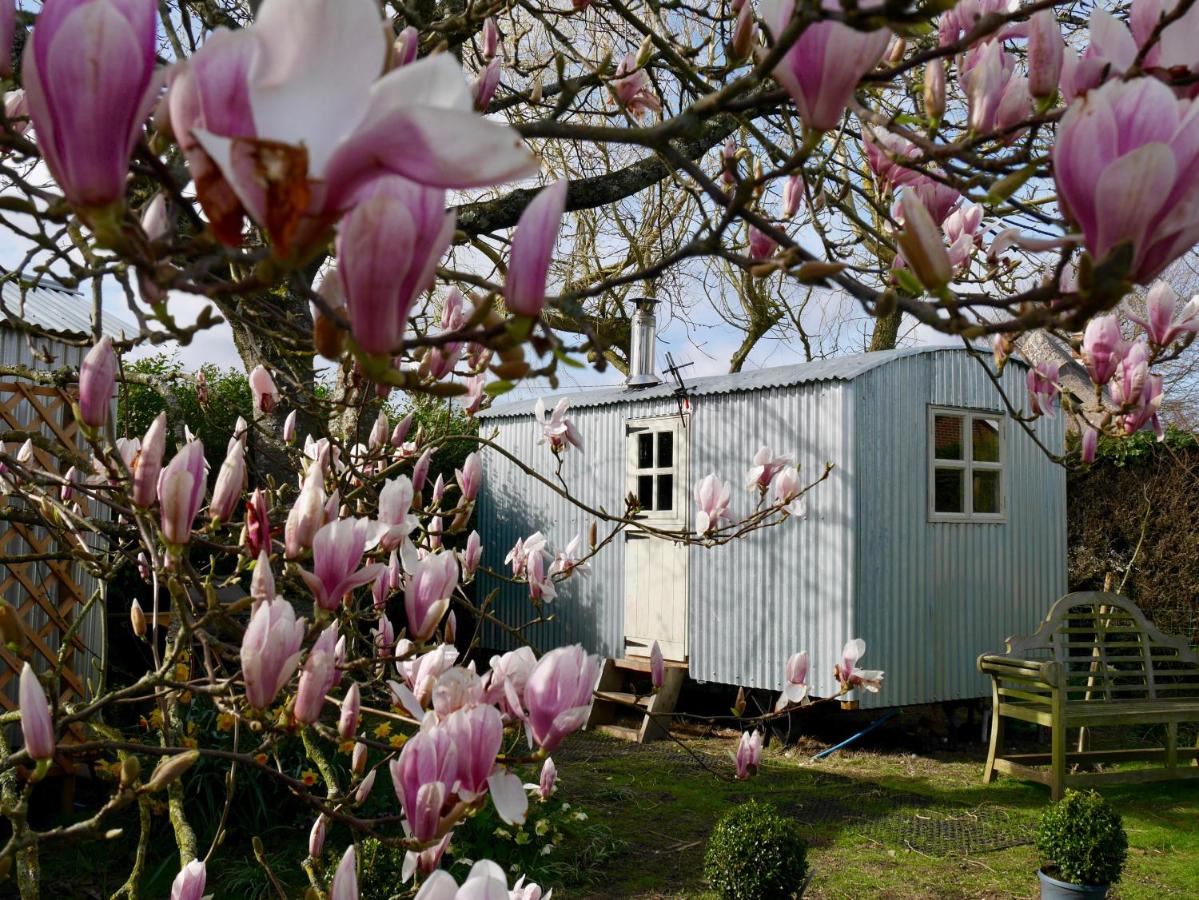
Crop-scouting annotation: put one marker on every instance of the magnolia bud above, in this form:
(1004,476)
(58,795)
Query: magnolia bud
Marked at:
(934,90)
(11,633)
(170,770)
(645,51)
(131,768)
(923,244)
(137,618)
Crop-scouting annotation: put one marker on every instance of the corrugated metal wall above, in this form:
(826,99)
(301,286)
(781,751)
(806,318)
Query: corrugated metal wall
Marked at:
(759,599)
(933,596)
(512,505)
(15,351)
(929,597)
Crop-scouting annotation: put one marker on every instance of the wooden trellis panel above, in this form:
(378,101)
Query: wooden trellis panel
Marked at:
(47,593)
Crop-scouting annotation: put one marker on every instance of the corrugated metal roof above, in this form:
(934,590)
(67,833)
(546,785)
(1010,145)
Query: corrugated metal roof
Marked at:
(841,368)
(56,309)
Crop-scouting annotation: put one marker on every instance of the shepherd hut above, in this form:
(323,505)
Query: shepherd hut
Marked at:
(939,532)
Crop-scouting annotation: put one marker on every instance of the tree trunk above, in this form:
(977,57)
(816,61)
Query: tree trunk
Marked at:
(886,330)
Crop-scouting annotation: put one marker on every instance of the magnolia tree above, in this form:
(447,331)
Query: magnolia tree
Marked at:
(384,185)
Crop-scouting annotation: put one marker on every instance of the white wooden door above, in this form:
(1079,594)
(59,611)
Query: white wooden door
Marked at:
(655,598)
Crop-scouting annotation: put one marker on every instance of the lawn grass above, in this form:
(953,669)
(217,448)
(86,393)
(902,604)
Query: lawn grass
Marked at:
(882,824)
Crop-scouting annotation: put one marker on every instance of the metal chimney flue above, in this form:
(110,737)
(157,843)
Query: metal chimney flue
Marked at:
(642,346)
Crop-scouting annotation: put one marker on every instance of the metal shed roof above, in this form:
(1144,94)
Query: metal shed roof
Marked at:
(841,368)
(53,308)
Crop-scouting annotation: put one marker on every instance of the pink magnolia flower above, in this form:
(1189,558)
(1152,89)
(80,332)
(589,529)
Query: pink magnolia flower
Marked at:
(395,512)
(524,549)
(420,674)
(541,585)
(262,386)
(36,725)
(1089,444)
(1158,321)
(477,733)
(426,862)
(847,673)
(1102,348)
(8,26)
(745,33)
(345,879)
(823,67)
(230,482)
(315,119)
(795,684)
(1043,388)
(189,883)
(485,85)
(712,498)
(786,491)
(1175,46)
(427,597)
(388,248)
(258,524)
(147,464)
(749,754)
(1126,162)
(486,880)
(406,47)
(262,582)
(557,430)
(885,154)
(761,245)
(1111,52)
(316,837)
(88,74)
(923,244)
(470,476)
(1046,50)
(316,677)
(793,196)
(289,428)
(270,651)
(558,694)
(471,555)
(474,398)
(420,470)
(505,683)
(423,777)
(337,551)
(532,247)
(633,90)
(97,377)
(549,776)
(16,109)
(180,493)
(567,560)
(657,666)
(491,37)
(765,466)
(307,514)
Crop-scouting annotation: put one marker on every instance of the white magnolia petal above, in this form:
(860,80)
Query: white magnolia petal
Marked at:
(508,795)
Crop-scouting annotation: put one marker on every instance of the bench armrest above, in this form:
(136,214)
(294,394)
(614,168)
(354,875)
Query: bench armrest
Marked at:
(1040,671)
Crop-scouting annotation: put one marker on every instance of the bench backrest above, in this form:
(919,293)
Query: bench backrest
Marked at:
(1109,651)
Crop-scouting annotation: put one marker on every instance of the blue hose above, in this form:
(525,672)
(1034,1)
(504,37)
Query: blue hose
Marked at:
(849,740)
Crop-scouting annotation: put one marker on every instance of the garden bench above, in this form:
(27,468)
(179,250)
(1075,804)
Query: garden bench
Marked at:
(1095,661)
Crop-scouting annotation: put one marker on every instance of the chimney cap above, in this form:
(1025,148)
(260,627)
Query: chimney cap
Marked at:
(644,304)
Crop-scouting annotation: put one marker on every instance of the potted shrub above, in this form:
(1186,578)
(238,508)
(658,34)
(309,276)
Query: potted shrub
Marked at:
(1083,839)
(756,853)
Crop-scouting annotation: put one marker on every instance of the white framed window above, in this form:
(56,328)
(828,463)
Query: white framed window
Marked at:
(966,477)
(657,468)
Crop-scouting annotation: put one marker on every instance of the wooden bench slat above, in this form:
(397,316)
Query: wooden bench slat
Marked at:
(1094,661)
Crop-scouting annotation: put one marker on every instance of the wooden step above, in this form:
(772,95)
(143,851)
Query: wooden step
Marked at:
(620,731)
(624,698)
(641,664)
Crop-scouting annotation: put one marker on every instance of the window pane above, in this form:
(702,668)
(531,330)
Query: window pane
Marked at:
(645,491)
(665,492)
(665,449)
(645,451)
(947,437)
(986,492)
(985,435)
(948,495)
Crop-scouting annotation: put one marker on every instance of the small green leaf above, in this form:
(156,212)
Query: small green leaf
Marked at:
(496,388)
